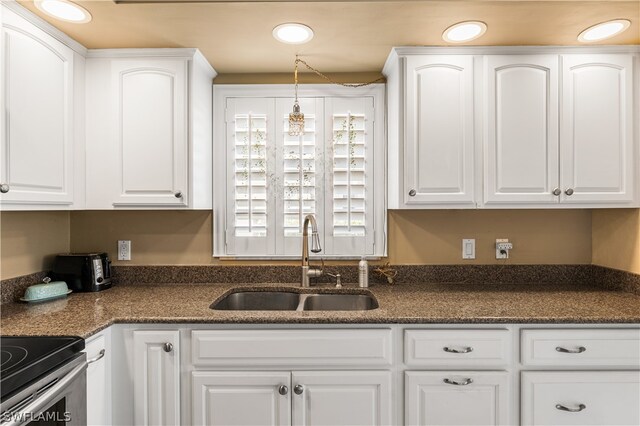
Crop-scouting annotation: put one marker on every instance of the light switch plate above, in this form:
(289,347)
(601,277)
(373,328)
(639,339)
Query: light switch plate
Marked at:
(468,248)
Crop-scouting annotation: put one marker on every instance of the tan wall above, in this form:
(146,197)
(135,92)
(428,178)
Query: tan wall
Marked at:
(616,239)
(418,237)
(30,240)
(538,236)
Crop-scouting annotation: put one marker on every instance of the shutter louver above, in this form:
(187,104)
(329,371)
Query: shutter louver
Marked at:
(299,176)
(250,175)
(349,177)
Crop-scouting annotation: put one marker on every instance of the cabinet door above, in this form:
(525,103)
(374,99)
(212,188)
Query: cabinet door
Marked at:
(337,398)
(150,105)
(456,398)
(439,130)
(597,129)
(580,398)
(36,155)
(243,398)
(98,389)
(521,125)
(156,377)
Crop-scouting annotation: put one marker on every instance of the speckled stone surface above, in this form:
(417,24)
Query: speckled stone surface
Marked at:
(84,314)
(406,274)
(12,290)
(616,279)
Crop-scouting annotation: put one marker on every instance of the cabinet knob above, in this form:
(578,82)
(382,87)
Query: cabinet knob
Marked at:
(557,192)
(298,389)
(168,347)
(569,191)
(579,408)
(178,194)
(4,188)
(283,390)
(412,193)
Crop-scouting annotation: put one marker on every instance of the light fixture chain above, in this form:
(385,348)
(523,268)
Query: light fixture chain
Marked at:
(330,80)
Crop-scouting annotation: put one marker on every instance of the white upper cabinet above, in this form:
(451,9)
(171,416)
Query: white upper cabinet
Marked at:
(521,125)
(518,127)
(149,117)
(37,117)
(439,130)
(151,131)
(597,146)
(431,137)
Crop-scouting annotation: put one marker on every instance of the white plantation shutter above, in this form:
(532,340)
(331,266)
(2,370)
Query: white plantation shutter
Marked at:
(301,173)
(349,212)
(273,180)
(250,206)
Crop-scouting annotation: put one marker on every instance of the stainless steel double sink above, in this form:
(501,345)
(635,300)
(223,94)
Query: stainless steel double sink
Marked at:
(247,300)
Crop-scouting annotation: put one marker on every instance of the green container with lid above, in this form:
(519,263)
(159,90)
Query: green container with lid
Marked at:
(48,290)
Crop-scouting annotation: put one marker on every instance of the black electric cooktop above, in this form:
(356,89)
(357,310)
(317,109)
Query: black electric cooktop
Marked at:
(24,359)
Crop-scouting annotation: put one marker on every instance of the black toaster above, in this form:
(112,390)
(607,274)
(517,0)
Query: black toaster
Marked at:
(83,271)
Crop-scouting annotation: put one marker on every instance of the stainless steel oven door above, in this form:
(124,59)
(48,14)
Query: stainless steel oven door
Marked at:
(59,398)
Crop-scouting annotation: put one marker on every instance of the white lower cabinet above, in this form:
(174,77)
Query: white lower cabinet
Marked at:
(341,398)
(255,398)
(156,377)
(580,398)
(98,380)
(335,375)
(456,398)
(349,398)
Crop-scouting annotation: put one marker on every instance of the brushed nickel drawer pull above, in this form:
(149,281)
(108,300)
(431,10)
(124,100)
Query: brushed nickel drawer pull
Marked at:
(465,382)
(571,410)
(283,390)
(466,350)
(571,351)
(97,357)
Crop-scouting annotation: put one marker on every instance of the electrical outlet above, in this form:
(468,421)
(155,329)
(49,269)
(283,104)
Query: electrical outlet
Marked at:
(502,248)
(469,248)
(124,250)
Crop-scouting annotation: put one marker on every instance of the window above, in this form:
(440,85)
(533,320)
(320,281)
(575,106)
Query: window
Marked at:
(267,181)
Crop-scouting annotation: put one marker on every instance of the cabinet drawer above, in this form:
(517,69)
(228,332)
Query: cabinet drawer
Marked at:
(581,348)
(291,347)
(594,398)
(472,348)
(457,398)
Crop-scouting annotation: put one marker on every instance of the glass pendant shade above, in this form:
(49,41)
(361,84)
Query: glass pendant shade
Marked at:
(296,121)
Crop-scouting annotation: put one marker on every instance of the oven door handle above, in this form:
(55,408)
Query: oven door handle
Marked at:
(48,397)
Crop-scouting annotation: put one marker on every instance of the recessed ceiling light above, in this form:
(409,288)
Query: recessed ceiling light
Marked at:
(604,30)
(293,33)
(64,10)
(464,31)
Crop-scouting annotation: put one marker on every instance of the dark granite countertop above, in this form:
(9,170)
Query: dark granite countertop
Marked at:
(84,314)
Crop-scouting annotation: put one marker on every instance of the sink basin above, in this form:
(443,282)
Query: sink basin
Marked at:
(249,300)
(258,301)
(339,302)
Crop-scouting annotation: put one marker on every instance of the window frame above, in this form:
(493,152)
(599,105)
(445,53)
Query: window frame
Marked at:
(220,186)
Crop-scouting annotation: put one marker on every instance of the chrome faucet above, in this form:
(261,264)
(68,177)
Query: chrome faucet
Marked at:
(315,248)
